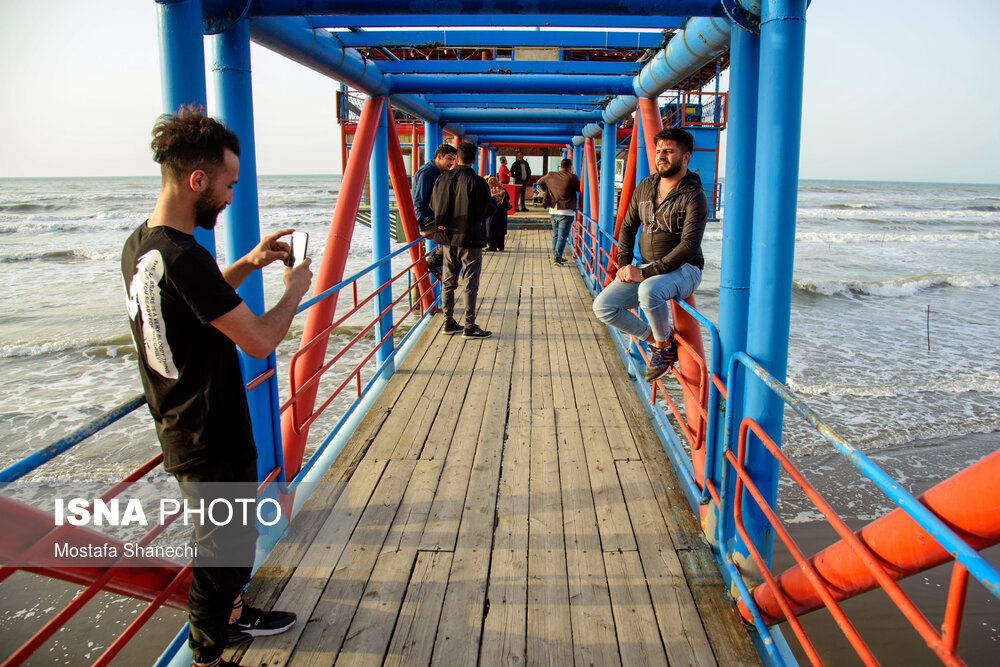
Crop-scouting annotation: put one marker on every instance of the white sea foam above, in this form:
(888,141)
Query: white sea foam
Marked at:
(899,287)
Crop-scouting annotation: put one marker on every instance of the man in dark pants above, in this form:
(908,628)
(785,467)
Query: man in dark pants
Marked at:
(423,185)
(520,171)
(186,321)
(561,189)
(461,201)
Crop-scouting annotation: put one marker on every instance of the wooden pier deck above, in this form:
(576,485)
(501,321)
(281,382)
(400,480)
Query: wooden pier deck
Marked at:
(504,501)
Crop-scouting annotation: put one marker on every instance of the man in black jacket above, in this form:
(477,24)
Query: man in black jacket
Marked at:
(461,201)
(520,171)
(672,210)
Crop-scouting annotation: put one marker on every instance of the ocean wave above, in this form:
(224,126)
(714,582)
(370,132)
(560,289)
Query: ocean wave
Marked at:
(898,287)
(982,208)
(896,237)
(24,207)
(859,207)
(945,384)
(914,215)
(103,347)
(82,254)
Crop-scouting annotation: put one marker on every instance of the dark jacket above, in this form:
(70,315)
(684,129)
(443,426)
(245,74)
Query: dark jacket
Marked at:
(520,171)
(423,185)
(496,225)
(671,233)
(561,188)
(461,202)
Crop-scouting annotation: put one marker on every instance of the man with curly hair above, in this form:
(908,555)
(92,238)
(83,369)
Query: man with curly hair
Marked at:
(186,320)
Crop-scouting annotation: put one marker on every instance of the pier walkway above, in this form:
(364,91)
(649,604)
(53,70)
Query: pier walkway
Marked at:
(504,501)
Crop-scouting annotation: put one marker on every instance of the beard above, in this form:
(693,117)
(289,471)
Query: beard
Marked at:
(206,212)
(669,170)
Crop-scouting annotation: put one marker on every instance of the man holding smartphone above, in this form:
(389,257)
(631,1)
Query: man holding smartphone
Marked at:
(186,321)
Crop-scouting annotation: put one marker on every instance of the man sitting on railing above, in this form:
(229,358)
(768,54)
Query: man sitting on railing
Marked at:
(671,208)
(461,201)
(423,185)
(186,321)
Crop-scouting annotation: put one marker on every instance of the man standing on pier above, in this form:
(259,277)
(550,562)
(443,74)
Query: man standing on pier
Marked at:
(461,202)
(186,321)
(520,171)
(672,210)
(423,185)
(561,189)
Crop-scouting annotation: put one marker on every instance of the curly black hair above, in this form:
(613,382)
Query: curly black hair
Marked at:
(189,140)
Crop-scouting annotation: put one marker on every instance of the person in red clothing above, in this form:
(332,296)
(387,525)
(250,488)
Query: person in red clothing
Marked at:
(503,173)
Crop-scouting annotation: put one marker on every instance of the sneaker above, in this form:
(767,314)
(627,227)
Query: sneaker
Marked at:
(559,261)
(451,327)
(221,663)
(661,360)
(254,622)
(474,332)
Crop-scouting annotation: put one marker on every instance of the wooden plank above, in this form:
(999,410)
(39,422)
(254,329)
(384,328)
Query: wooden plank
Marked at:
(321,640)
(549,628)
(462,614)
(314,570)
(676,614)
(638,638)
(413,638)
(371,629)
(504,629)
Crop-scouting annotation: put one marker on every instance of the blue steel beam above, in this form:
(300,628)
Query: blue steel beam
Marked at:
(591,8)
(526,101)
(241,231)
(510,84)
(502,38)
(509,67)
(182,68)
(296,40)
(522,128)
(378,178)
(471,115)
(779,122)
(501,139)
(494,20)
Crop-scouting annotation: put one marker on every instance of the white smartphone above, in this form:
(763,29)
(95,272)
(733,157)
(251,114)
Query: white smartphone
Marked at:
(297,248)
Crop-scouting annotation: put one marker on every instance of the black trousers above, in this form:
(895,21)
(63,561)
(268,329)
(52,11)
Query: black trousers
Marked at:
(224,557)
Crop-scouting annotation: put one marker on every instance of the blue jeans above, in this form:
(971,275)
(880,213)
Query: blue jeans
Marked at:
(614,305)
(560,232)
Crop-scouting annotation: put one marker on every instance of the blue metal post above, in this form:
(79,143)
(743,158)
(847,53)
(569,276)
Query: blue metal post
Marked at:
(606,201)
(182,67)
(782,45)
(430,140)
(378,174)
(241,227)
(737,230)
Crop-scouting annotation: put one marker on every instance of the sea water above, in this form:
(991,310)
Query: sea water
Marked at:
(895,325)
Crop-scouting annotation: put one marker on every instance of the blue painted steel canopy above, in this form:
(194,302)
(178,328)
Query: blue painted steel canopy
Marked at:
(502,68)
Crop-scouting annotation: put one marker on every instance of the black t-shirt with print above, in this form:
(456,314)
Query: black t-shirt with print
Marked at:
(190,370)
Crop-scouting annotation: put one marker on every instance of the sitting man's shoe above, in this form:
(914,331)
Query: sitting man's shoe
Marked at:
(474,332)
(451,327)
(661,360)
(220,663)
(254,622)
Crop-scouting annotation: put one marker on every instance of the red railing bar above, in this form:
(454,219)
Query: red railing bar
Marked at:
(357,370)
(82,598)
(257,381)
(315,377)
(271,476)
(955,607)
(818,584)
(871,563)
(49,537)
(141,620)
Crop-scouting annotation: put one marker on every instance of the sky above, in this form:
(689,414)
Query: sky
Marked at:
(895,90)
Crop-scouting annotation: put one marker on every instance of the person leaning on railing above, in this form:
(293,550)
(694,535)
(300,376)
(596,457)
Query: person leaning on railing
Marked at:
(423,185)
(186,320)
(671,209)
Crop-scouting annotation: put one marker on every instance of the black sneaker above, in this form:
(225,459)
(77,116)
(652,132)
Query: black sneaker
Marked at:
(661,360)
(559,261)
(451,327)
(475,332)
(221,663)
(254,622)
